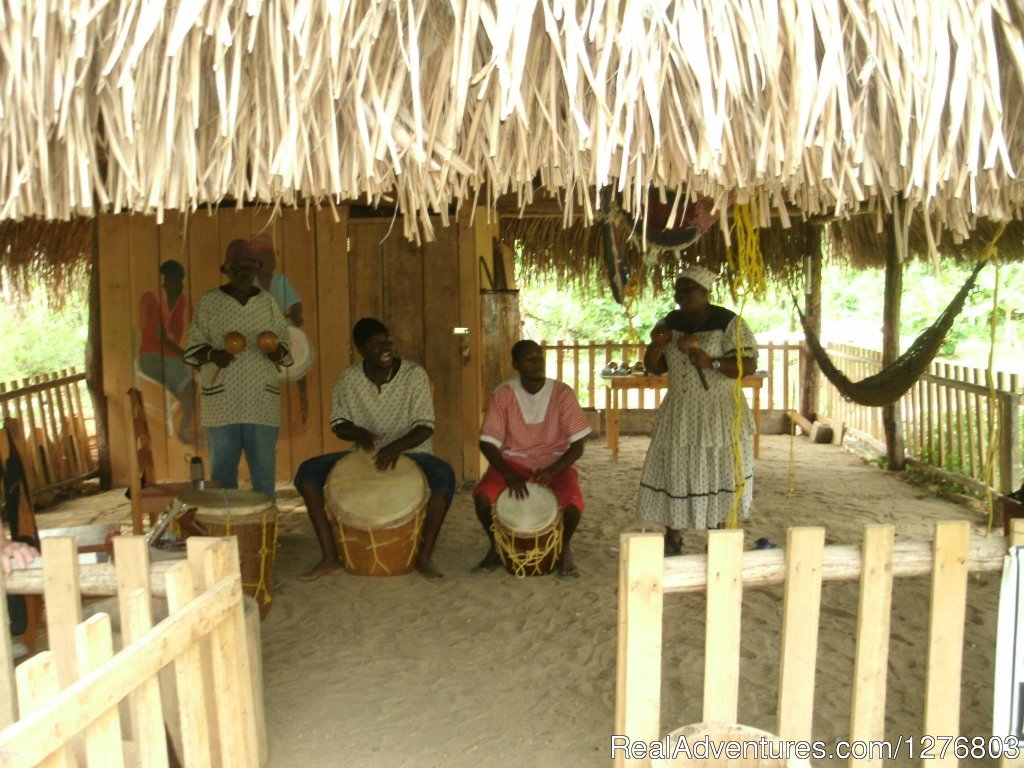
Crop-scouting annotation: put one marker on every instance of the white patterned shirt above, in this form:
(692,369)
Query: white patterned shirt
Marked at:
(247,391)
(391,410)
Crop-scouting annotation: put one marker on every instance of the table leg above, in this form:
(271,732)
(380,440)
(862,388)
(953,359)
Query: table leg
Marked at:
(612,426)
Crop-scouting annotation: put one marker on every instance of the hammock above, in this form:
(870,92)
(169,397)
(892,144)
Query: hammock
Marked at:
(888,385)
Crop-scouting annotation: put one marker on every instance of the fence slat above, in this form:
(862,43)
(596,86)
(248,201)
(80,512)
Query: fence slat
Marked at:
(722,638)
(95,645)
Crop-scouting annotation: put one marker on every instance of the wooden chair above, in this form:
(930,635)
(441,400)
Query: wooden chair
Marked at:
(148,497)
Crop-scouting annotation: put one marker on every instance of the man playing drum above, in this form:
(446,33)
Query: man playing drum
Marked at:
(533,431)
(383,405)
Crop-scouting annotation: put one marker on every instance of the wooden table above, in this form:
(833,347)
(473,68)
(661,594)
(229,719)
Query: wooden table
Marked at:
(619,384)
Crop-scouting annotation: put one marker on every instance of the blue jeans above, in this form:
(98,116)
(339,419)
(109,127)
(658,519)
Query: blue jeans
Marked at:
(260,445)
(440,476)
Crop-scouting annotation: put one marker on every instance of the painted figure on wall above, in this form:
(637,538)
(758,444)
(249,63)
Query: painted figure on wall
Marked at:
(163,316)
(280,287)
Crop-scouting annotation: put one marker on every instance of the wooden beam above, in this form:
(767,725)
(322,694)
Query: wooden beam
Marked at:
(891,421)
(810,374)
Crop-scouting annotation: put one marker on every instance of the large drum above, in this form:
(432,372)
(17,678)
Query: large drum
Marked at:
(376,516)
(528,532)
(250,516)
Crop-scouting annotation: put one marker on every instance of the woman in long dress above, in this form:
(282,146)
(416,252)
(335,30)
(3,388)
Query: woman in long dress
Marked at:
(689,478)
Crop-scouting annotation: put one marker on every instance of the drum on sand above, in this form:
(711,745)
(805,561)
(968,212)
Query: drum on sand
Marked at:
(528,532)
(376,516)
(253,518)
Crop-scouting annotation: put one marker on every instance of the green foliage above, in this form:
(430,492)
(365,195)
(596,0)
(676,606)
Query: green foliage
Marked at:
(852,301)
(41,340)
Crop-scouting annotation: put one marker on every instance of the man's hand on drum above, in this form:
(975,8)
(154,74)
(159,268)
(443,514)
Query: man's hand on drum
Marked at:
(544,476)
(517,485)
(364,438)
(387,457)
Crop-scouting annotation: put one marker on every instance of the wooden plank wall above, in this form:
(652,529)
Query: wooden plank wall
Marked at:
(342,269)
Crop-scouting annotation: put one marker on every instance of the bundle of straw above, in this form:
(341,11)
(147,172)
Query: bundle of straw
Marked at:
(829,107)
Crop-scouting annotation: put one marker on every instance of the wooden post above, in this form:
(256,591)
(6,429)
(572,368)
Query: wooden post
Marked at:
(809,372)
(1009,439)
(8,699)
(638,657)
(722,634)
(891,422)
(94,363)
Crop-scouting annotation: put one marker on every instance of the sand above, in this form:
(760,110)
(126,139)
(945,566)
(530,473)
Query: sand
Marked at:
(489,670)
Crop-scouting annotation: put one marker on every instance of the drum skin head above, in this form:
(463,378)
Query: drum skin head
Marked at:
(534,513)
(361,496)
(225,501)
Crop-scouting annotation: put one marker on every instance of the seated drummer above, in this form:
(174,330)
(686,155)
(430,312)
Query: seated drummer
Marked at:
(533,430)
(383,405)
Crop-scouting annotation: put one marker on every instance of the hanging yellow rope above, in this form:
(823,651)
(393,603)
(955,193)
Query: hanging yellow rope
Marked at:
(747,279)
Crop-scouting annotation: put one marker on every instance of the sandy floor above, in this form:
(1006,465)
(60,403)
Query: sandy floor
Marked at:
(487,670)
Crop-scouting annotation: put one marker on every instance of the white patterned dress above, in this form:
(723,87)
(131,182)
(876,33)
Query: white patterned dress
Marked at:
(689,479)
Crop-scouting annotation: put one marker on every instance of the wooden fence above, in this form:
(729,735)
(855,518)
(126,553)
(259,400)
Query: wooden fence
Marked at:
(57,415)
(955,424)
(77,703)
(579,364)
(645,576)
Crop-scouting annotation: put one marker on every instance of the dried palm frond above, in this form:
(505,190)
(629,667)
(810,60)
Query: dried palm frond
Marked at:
(820,108)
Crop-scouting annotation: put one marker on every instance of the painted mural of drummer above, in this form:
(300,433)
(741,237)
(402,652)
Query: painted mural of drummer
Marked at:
(383,405)
(533,431)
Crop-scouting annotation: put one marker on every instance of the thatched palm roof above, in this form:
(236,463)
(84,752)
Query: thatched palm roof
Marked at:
(829,106)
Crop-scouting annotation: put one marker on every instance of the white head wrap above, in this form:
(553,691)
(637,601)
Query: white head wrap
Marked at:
(702,277)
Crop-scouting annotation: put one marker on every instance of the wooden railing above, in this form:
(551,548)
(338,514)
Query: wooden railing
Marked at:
(57,414)
(954,424)
(579,364)
(953,421)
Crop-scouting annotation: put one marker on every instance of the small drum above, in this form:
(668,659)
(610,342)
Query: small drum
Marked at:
(250,516)
(528,532)
(376,516)
(302,355)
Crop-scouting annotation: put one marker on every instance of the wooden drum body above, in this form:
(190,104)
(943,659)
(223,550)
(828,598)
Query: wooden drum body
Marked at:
(528,532)
(253,518)
(376,516)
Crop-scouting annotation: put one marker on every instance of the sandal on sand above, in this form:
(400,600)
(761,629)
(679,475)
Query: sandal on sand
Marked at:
(569,573)
(763,543)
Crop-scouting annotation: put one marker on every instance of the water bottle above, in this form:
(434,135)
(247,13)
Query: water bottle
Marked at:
(196,473)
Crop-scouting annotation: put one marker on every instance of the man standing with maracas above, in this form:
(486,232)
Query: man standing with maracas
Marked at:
(234,340)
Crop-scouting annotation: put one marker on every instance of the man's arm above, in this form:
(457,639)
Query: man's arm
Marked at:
(516,483)
(388,455)
(561,464)
(346,430)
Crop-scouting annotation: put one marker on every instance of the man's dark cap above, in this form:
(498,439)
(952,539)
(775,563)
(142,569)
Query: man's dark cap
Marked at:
(365,329)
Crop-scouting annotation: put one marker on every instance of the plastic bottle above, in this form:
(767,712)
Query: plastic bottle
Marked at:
(197,473)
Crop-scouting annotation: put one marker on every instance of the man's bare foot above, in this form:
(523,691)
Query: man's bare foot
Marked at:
(490,562)
(567,566)
(428,570)
(322,568)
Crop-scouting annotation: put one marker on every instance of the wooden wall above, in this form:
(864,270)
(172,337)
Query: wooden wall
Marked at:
(342,268)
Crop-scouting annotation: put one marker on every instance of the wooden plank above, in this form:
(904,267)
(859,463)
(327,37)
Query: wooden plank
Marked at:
(188,674)
(76,393)
(74,707)
(365,272)
(638,654)
(867,717)
(333,313)
(8,691)
(443,359)
(402,278)
(38,683)
(303,420)
(722,636)
(473,400)
(116,331)
(148,731)
(95,645)
(234,699)
(946,634)
(63,604)
(800,610)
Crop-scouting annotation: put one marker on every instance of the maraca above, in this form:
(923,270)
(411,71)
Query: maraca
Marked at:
(234,343)
(687,343)
(267,342)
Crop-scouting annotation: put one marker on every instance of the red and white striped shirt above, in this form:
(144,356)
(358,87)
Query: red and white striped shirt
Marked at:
(533,430)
